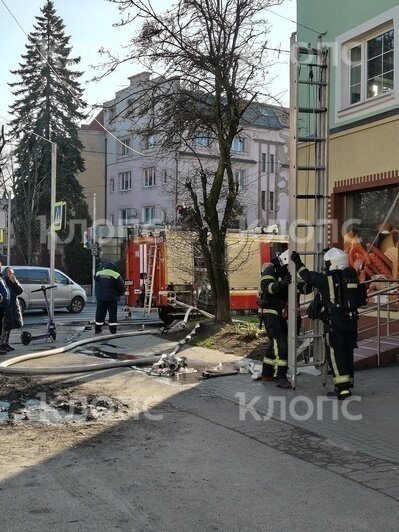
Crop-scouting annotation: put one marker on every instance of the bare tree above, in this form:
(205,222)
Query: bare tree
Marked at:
(209,57)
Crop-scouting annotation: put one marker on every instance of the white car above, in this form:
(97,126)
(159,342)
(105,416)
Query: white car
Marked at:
(66,294)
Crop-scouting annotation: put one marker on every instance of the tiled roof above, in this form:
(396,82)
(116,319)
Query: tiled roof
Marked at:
(94,125)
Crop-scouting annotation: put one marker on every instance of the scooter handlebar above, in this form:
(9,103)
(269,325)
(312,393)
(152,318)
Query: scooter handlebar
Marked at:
(44,288)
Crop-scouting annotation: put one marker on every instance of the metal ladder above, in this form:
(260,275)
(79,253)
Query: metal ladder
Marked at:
(149,284)
(308,184)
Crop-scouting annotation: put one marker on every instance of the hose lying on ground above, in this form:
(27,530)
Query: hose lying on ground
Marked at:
(6,370)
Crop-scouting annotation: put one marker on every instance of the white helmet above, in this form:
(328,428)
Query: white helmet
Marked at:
(337,259)
(284,258)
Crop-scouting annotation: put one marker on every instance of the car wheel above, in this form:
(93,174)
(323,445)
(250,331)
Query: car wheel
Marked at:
(22,304)
(77,305)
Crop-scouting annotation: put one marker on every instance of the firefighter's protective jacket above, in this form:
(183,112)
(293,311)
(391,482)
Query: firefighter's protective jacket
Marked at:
(109,285)
(274,293)
(341,293)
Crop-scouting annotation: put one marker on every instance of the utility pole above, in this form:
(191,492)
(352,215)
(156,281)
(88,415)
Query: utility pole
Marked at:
(53,235)
(9,230)
(93,250)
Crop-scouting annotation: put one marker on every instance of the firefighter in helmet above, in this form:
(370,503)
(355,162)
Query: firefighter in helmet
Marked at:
(342,295)
(275,279)
(274,282)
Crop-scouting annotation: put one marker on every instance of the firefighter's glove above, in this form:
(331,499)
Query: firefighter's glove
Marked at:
(285,281)
(296,258)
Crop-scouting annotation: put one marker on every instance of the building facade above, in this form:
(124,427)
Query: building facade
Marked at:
(144,185)
(363,120)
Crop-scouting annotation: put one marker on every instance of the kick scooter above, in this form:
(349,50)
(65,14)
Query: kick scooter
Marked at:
(27,337)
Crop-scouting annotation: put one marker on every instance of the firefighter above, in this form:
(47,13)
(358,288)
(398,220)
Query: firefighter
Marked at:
(274,282)
(109,287)
(342,295)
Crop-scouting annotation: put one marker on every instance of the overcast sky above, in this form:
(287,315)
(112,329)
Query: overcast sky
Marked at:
(89,23)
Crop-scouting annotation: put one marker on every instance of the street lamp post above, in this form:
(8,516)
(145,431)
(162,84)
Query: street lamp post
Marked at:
(52,229)
(93,250)
(9,230)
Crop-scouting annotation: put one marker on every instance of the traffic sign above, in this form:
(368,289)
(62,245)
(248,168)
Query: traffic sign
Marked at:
(59,215)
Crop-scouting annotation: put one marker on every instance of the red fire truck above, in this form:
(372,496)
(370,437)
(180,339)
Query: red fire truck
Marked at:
(164,268)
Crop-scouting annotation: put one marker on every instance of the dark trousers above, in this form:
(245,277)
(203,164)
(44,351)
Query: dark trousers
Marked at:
(101,311)
(276,354)
(340,346)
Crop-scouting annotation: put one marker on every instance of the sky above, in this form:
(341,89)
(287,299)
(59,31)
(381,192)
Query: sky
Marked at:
(89,24)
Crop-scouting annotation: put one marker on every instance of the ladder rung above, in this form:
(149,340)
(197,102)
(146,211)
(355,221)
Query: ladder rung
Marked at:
(310,224)
(320,83)
(311,253)
(311,196)
(311,139)
(312,109)
(305,168)
(308,335)
(308,51)
(304,63)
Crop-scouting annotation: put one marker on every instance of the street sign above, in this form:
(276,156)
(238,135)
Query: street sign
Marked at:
(59,215)
(3,223)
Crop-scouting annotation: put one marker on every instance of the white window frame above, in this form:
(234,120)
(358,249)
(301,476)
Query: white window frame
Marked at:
(240,178)
(149,177)
(125,181)
(272,204)
(238,144)
(263,162)
(150,141)
(201,140)
(272,163)
(125,215)
(150,219)
(359,36)
(124,146)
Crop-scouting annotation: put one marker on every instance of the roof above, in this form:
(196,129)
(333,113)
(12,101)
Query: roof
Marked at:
(94,124)
(267,116)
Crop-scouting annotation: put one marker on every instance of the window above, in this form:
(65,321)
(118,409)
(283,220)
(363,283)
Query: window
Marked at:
(125,181)
(263,200)
(148,215)
(124,146)
(124,216)
(164,177)
(111,219)
(372,67)
(149,177)
(240,179)
(271,201)
(60,278)
(272,163)
(112,186)
(151,141)
(201,140)
(238,144)
(263,162)
(38,276)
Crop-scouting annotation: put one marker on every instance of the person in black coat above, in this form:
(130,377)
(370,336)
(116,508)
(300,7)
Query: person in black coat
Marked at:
(12,316)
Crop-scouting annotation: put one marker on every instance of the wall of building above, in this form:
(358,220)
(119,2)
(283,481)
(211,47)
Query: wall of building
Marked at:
(261,146)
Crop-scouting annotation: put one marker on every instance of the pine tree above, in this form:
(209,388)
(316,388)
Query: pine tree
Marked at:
(48,103)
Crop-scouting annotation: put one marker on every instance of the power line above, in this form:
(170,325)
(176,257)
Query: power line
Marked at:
(62,81)
(296,22)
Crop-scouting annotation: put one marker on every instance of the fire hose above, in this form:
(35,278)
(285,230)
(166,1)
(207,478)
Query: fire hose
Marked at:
(5,368)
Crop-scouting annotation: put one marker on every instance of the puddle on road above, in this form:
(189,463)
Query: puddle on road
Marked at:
(100,352)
